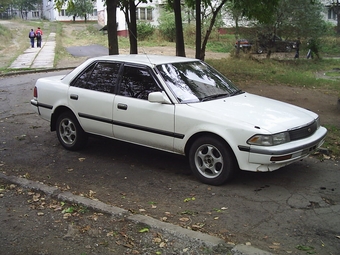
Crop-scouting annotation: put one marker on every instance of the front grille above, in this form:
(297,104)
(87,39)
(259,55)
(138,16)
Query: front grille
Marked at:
(303,132)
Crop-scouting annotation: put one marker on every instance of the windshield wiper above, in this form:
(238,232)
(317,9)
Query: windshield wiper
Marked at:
(214,96)
(237,92)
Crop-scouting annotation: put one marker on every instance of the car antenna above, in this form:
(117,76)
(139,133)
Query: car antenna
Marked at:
(146,54)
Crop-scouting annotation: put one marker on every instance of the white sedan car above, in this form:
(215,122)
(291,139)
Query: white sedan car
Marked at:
(179,105)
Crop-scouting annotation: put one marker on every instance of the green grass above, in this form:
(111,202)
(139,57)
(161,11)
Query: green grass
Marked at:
(332,142)
(301,73)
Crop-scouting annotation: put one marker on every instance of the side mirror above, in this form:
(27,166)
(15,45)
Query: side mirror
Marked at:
(158,97)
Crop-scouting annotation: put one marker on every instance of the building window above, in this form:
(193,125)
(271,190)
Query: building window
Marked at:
(95,12)
(35,14)
(332,14)
(149,14)
(144,13)
(62,12)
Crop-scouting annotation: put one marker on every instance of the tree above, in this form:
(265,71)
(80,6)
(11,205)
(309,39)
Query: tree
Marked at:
(112,26)
(215,11)
(215,8)
(180,49)
(166,26)
(25,6)
(129,8)
(76,8)
(80,8)
(111,22)
(198,29)
(292,18)
(5,8)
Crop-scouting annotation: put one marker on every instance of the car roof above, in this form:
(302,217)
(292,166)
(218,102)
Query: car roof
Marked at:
(145,59)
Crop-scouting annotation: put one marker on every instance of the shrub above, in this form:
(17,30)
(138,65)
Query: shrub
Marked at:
(144,30)
(167,26)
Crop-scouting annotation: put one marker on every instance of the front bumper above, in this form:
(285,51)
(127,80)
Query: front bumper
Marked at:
(270,158)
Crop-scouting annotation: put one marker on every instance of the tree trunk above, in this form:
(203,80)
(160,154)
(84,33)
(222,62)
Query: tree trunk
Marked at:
(198,29)
(133,28)
(338,17)
(112,26)
(180,50)
(212,22)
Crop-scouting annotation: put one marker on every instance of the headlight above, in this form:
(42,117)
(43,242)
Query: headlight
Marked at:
(269,140)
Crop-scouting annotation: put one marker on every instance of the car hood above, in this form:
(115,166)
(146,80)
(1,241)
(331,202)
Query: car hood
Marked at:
(266,114)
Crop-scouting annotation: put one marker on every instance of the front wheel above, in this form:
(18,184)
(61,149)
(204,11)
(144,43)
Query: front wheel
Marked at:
(69,132)
(288,48)
(260,50)
(211,160)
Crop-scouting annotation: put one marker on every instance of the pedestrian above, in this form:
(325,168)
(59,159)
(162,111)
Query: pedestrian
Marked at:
(38,34)
(297,45)
(31,35)
(313,48)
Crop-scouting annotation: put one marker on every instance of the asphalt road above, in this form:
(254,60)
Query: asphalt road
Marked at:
(286,211)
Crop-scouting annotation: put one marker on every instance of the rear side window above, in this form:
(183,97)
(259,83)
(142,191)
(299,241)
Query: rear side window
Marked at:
(99,77)
(137,82)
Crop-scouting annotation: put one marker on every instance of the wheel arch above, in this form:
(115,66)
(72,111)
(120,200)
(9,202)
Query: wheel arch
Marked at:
(59,110)
(200,134)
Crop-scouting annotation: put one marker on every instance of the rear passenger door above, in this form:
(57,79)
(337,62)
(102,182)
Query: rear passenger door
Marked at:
(137,120)
(91,97)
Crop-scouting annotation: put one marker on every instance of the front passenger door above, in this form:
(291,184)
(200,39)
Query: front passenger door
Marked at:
(137,120)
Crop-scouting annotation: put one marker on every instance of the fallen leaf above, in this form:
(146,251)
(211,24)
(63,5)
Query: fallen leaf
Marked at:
(81,159)
(184,219)
(143,230)
(157,240)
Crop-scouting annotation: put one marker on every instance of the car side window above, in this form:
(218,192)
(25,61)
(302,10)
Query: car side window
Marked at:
(101,77)
(137,83)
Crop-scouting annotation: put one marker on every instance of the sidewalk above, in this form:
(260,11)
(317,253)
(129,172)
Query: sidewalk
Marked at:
(37,57)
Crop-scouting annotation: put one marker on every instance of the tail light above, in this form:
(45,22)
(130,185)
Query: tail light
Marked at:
(35,92)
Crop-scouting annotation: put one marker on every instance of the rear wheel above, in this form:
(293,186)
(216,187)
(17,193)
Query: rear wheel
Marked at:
(211,160)
(69,132)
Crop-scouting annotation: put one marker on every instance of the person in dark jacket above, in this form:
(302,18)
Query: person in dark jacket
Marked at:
(31,35)
(297,45)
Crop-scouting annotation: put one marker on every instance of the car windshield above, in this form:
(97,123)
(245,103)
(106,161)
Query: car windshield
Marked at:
(196,82)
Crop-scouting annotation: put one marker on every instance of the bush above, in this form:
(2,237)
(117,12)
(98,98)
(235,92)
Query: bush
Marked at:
(167,26)
(144,30)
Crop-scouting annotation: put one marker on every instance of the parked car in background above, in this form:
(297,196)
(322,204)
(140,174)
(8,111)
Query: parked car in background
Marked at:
(263,43)
(179,105)
(244,44)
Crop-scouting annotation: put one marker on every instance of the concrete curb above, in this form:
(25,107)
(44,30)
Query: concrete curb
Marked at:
(46,70)
(193,236)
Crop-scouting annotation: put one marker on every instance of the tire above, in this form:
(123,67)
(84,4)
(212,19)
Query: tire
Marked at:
(260,50)
(69,132)
(211,160)
(288,48)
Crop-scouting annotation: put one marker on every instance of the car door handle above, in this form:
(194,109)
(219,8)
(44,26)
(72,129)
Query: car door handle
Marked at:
(122,106)
(74,97)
